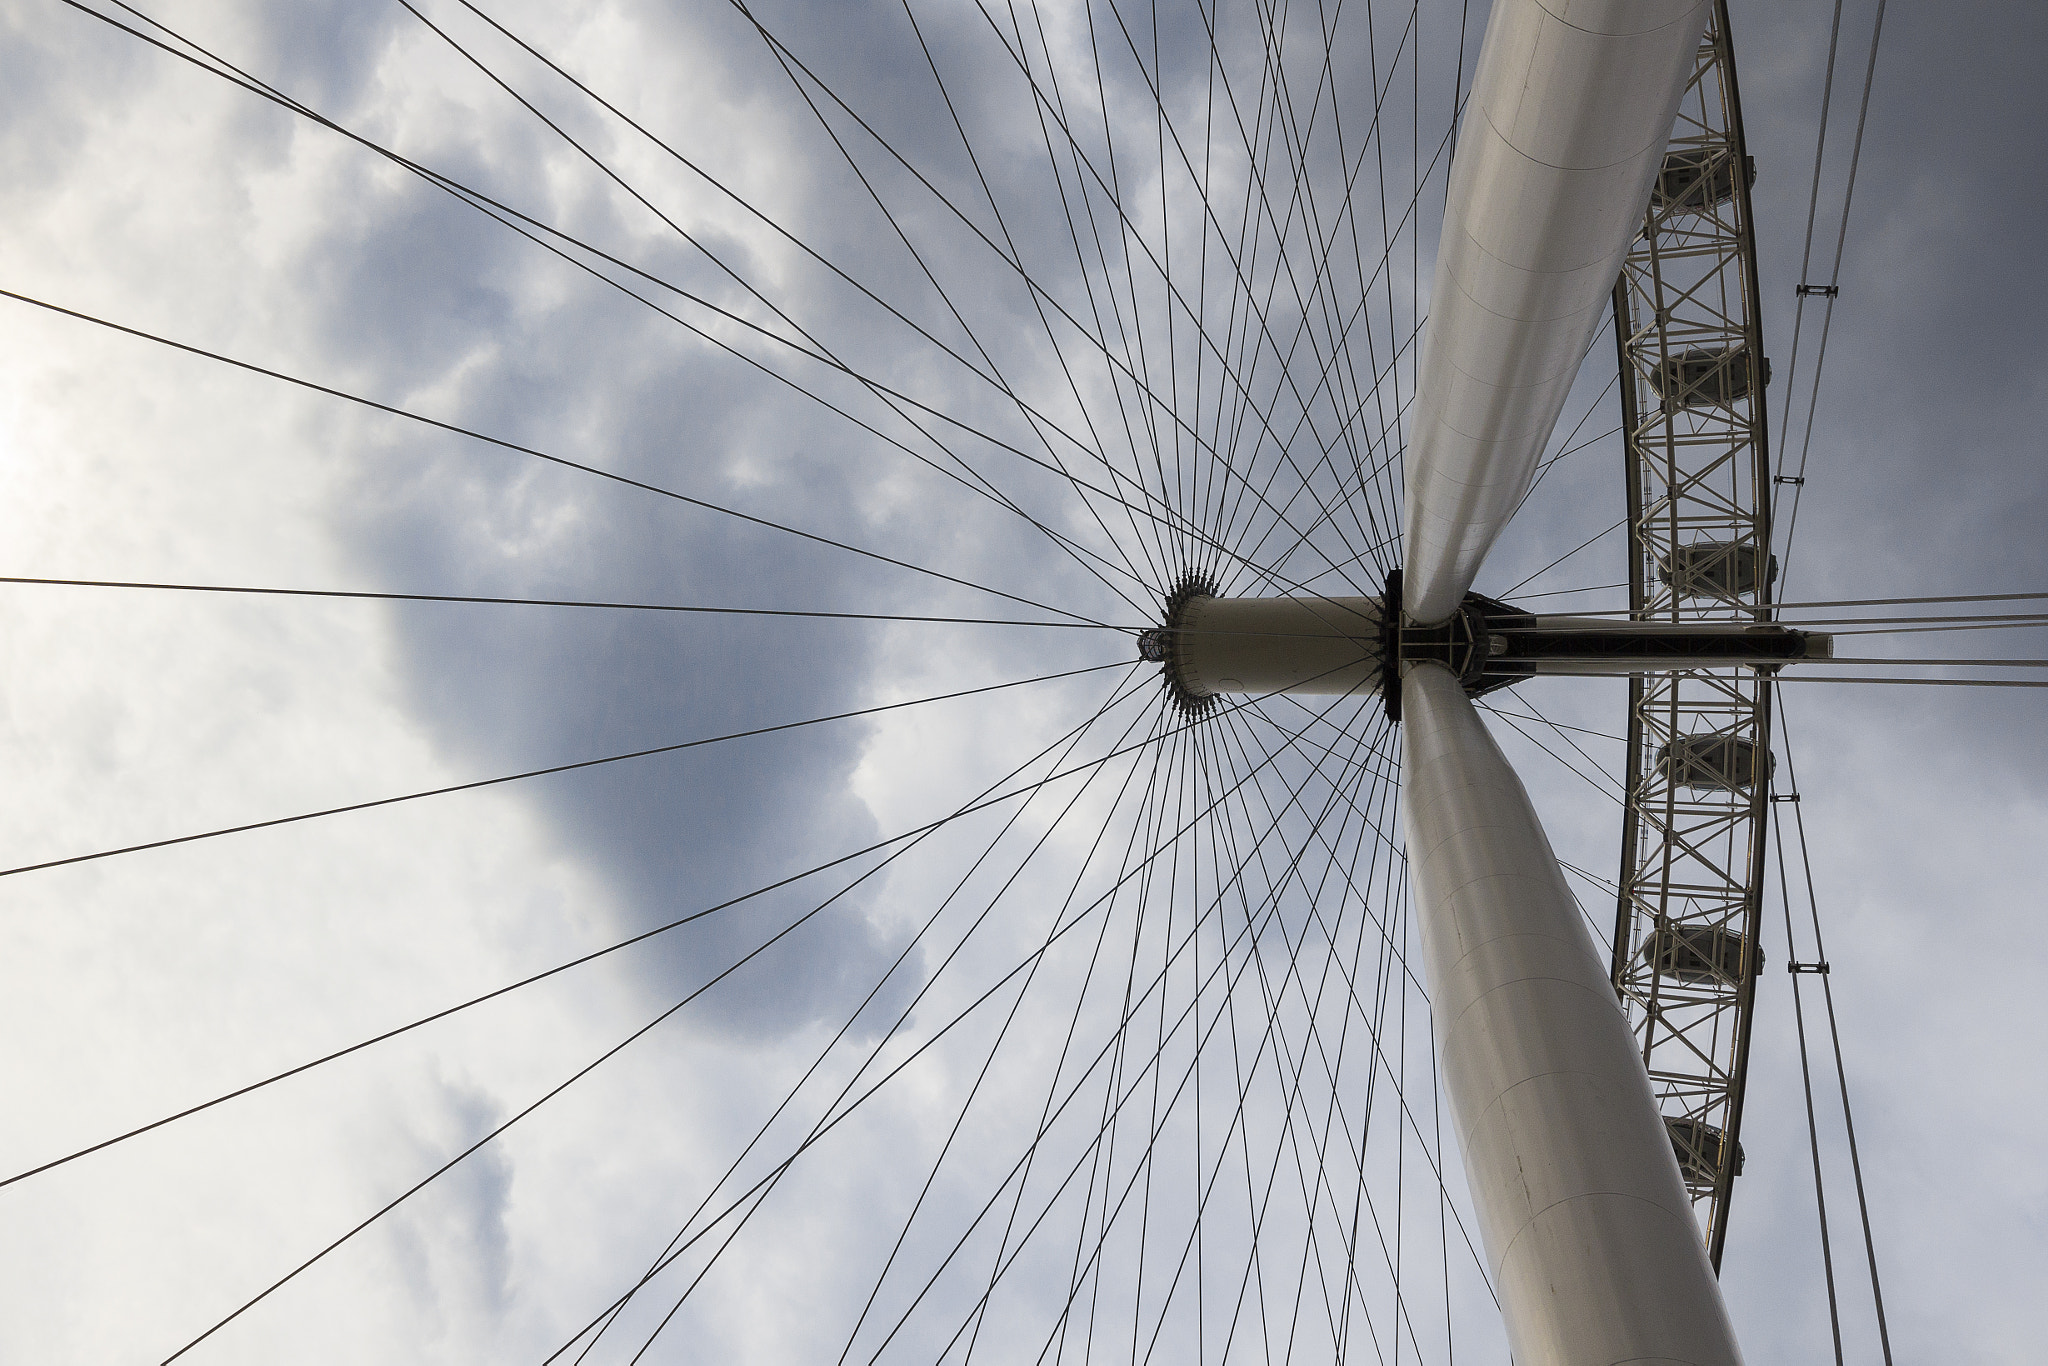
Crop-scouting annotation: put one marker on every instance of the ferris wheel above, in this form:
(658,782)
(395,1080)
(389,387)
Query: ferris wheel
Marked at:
(1099,919)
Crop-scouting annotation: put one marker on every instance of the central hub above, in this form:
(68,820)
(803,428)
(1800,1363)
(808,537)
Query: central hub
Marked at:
(1337,646)
(1310,645)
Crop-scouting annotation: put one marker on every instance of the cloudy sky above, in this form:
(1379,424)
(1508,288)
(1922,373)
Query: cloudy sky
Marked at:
(796,297)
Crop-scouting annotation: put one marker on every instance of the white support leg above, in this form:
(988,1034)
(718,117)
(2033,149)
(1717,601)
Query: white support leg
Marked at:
(1571,108)
(1592,1243)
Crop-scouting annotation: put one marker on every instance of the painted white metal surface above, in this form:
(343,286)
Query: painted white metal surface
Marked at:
(1571,106)
(1592,1243)
(1269,645)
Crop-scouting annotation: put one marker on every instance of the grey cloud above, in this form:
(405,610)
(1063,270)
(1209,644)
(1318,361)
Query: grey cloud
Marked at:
(1924,479)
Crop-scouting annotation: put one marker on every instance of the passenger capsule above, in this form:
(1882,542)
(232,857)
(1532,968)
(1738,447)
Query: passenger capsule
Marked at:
(1717,760)
(1698,954)
(1715,569)
(1708,376)
(1698,1146)
(1696,179)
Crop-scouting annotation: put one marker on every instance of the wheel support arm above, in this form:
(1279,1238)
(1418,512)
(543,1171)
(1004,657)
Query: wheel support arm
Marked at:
(1570,110)
(1590,1236)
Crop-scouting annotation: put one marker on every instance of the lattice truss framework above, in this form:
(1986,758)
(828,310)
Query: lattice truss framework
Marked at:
(1693,377)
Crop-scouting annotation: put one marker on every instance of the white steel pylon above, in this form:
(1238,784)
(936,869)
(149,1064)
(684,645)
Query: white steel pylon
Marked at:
(1594,1250)
(1588,1230)
(1571,108)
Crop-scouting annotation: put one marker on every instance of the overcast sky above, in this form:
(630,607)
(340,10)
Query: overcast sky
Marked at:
(149,193)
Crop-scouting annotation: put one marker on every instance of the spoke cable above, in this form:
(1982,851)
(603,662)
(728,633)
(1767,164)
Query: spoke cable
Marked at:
(369,596)
(916,838)
(462,1006)
(538,773)
(536,454)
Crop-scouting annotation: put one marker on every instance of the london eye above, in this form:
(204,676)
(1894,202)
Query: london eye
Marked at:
(1024,682)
